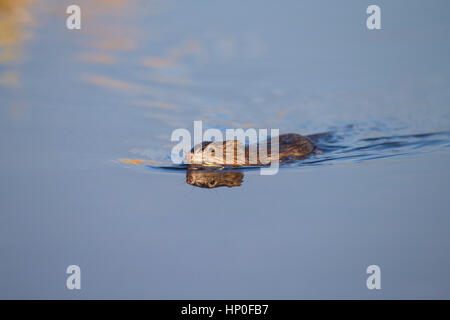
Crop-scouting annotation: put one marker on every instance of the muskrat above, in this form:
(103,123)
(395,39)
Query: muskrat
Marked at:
(291,147)
(212,171)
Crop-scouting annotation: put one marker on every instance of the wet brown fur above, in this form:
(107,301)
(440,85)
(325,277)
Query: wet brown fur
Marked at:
(292,146)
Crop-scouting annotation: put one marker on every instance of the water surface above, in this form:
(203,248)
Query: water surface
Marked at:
(74,102)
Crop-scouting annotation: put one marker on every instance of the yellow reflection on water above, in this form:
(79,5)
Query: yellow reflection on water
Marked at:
(99,58)
(14,18)
(155,104)
(110,83)
(116,51)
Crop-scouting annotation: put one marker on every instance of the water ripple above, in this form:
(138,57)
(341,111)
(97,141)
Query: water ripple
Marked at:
(345,145)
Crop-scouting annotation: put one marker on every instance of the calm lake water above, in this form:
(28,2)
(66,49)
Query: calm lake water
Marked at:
(76,102)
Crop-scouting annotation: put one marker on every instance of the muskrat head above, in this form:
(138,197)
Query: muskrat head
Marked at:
(212,179)
(217,153)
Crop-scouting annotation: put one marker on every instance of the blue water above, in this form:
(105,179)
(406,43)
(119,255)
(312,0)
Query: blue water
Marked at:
(73,103)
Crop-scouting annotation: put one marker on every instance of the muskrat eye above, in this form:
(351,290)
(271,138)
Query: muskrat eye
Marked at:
(213,152)
(212,183)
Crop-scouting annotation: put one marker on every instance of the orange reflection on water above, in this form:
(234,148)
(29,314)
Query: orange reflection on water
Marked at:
(136,161)
(100,58)
(110,83)
(14,18)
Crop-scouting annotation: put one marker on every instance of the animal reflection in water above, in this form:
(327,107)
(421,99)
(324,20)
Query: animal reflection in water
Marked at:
(291,147)
(213,172)
(294,149)
(214,179)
